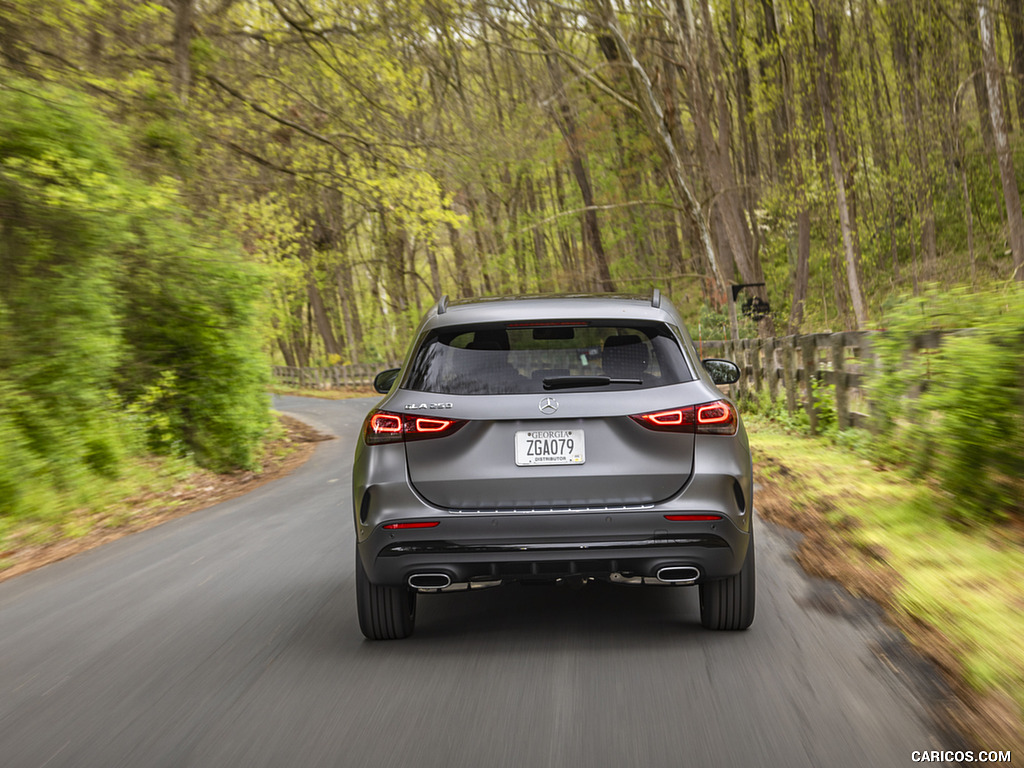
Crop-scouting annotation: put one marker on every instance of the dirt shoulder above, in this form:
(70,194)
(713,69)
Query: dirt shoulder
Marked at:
(859,530)
(155,505)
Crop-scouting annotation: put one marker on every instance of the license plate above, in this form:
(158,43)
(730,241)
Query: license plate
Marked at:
(549,446)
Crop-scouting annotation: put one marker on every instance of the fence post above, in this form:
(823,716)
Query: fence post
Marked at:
(771,366)
(838,343)
(869,358)
(789,372)
(741,351)
(809,354)
(755,365)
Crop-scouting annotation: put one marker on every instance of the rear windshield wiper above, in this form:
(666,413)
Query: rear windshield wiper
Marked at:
(567,382)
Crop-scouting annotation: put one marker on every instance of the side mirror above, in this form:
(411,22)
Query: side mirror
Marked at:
(722,371)
(384,380)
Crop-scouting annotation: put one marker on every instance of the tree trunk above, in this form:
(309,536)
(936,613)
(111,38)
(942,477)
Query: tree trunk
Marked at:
(435,274)
(773,67)
(565,118)
(905,46)
(795,163)
(282,344)
(879,143)
(321,318)
(978,78)
(1011,194)
(851,248)
(395,245)
(349,310)
(716,154)
(660,134)
(748,129)
(801,275)
(462,281)
(12,40)
(182,68)
(412,276)
(1015,23)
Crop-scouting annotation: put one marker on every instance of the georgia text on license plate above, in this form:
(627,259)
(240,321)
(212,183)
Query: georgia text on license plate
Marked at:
(549,446)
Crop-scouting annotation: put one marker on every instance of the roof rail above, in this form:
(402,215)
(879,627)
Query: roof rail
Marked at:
(656,298)
(442,304)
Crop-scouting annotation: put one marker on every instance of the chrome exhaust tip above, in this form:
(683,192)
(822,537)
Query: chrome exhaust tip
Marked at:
(678,574)
(429,580)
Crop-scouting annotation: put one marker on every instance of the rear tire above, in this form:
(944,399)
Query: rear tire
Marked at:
(729,603)
(385,613)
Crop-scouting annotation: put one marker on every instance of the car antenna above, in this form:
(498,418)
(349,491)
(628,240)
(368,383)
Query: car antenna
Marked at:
(656,298)
(442,304)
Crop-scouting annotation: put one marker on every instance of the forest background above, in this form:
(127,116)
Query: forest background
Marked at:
(189,187)
(372,155)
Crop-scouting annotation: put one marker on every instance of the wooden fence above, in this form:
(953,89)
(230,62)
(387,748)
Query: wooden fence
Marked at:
(329,377)
(786,367)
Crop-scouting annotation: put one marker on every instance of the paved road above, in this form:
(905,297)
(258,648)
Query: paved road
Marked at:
(229,638)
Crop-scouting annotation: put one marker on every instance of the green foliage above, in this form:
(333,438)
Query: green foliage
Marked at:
(151,413)
(713,324)
(59,343)
(163,137)
(112,307)
(956,414)
(192,331)
(825,405)
(761,404)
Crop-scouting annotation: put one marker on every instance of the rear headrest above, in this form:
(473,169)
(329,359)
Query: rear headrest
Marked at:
(624,357)
(496,338)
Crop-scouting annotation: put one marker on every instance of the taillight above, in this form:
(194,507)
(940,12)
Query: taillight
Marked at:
(385,424)
(430,426)
(675,420)
(717,418)
(385,427)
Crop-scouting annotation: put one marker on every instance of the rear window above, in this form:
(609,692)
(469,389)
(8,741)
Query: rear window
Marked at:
(518,357)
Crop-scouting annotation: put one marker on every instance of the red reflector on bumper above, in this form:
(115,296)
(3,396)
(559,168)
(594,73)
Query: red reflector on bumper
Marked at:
(692,518)
(399,526)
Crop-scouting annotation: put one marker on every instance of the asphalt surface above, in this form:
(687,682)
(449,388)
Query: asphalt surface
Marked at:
(229,638)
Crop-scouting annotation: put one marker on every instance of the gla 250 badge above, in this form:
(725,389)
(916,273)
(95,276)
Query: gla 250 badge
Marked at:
(424,406)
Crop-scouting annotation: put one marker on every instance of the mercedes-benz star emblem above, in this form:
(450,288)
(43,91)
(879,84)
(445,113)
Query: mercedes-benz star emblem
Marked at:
(548,405)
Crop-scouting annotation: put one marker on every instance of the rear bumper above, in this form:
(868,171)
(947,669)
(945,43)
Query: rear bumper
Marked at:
(487,548)
(490,545)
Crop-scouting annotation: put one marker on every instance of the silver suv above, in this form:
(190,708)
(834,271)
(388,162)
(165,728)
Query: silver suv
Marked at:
(547,438)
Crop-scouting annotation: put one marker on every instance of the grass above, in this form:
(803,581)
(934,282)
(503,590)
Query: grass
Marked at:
(146,491)
(97,502)
(957,591)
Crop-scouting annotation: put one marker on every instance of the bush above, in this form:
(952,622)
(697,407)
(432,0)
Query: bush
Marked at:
(106,289)
(192,331)
(957,414)
(60,228)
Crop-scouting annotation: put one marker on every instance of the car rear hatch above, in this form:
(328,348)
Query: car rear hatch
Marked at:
(545,415)
(523,462)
